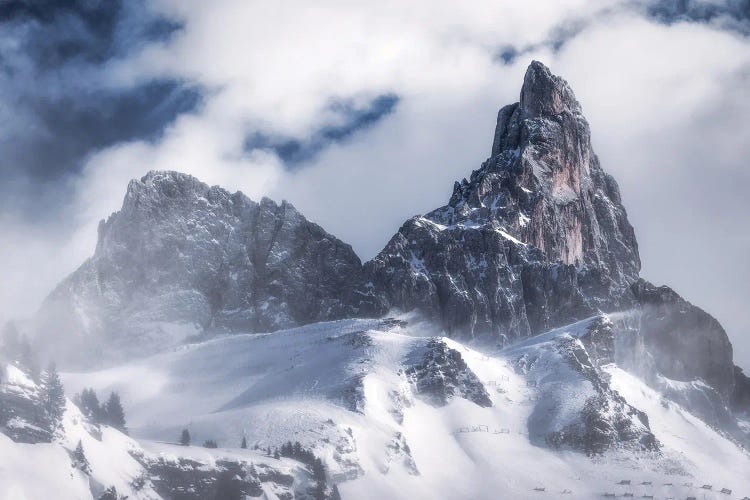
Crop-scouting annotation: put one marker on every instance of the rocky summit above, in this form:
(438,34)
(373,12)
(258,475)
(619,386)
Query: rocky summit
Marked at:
(536,238)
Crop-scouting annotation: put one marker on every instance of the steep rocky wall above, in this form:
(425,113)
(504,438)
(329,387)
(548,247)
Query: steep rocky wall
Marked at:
(184,253)
(535,238)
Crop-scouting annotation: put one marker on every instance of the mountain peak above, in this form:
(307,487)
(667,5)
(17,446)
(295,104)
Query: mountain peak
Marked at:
(544,93)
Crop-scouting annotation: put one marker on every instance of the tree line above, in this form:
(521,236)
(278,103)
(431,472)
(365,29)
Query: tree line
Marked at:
(293,450)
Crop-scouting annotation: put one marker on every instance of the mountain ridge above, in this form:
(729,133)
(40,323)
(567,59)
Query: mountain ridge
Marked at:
(536,238)
(504,342)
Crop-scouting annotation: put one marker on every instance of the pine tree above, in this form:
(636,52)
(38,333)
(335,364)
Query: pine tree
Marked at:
(335,495)
(111,494)
(318,470)
(243,445)
(15,347)
(88,402)
(210,443)
(276,454)
(79,459)
(319,491)
(53,397)
(28,360)
(185,438)
(114,415)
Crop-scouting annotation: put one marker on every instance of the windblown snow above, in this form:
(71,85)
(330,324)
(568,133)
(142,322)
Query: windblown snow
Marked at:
(347,389)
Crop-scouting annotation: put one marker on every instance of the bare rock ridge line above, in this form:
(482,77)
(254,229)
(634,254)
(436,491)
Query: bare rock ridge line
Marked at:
(182,252)
(536,238)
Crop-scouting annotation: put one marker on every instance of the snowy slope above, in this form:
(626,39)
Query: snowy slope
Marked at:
(45,470)
(348,390)
(42,470)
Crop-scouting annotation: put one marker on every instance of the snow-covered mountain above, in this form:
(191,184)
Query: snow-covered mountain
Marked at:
(400,414)
(502,345)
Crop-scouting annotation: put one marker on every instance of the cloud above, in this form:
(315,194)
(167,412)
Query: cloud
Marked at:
(731,15)
(351,119)
(363,115)
(59,106)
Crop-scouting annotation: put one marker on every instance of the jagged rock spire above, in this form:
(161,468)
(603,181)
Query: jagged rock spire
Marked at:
(540,220)
(543,93)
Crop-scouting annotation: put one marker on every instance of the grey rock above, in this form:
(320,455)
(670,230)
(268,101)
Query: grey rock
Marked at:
(22,415)
(399,453)
(182,252)
(438,373)
(606,419)
(684,341)
(741,393)
(536,238)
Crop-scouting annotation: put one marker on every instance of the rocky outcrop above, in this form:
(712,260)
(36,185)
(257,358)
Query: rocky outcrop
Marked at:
(192,480)
(606,419)
(575,406)
(439,373)
(536,238)
(23,417)
(684,341)
(180,252)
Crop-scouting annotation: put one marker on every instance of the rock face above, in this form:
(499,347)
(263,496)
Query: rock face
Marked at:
(22,414)
(684,341)
(441,374)
(536,238)
(180,257)
(575,406)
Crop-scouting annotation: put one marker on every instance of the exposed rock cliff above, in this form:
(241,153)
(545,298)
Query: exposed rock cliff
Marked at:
(535,238)
(181,256)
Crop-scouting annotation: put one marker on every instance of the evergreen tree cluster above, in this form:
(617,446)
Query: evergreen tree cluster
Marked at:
(307,457)
(110,413)
(15,347)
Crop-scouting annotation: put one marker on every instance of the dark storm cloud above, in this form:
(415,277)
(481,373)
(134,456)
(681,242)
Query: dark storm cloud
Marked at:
(352,119)
(73,126)
(555,40)
(57,110)
(61,30)
(731,15)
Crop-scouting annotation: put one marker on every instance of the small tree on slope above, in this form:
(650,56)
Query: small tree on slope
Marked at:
(114,414)
(185,438)
(89,405)
(53,397)
(79,459)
